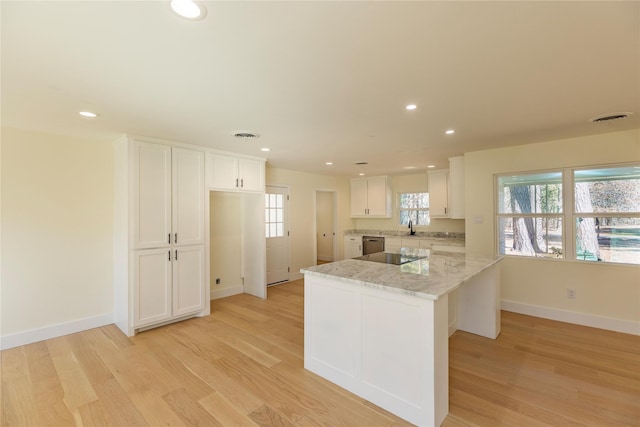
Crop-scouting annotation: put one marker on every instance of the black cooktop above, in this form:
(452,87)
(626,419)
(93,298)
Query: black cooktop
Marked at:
(388,258)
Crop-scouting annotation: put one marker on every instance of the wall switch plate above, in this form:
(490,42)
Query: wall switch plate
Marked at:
(571,293)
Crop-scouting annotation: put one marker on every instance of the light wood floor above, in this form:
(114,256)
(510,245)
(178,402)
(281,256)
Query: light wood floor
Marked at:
(243,366)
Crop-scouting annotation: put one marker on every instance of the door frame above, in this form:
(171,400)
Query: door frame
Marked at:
(334,218)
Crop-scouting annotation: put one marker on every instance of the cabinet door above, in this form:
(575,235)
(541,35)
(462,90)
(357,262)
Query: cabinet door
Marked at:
(392,244)
(377,196)
(188,280)
(352,246)
(151,286)
(358,197)
(222,172)
(438,194)
(456,187)
(151,173)
(251,174)
(188,197)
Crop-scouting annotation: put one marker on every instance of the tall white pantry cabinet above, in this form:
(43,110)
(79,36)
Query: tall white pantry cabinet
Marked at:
(160,241)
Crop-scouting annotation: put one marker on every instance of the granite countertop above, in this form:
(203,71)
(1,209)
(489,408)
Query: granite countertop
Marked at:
(444,237)
(431,277)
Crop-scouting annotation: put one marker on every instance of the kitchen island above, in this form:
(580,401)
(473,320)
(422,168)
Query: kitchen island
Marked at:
(381,330)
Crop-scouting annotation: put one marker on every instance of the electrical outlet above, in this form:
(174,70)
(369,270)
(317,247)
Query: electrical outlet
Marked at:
(217,281)
(571,293)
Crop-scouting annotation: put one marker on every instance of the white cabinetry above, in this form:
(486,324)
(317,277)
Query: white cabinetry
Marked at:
(456,188)
(160,234)
(352,246)
(438,193)
(226,172)
(446,191)
(370,197)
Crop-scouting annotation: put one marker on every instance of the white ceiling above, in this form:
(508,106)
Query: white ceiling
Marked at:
(324,81)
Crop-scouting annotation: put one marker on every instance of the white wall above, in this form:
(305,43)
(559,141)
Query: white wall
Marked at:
(302,193)
(57,232)
(225,213)
(410,183)
(608,296)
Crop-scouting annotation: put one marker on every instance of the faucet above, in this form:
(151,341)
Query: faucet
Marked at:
(413,233)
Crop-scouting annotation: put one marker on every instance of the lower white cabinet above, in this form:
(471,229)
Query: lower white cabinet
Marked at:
(352,246)
(168,283)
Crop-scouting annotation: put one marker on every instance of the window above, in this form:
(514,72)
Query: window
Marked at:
(606,214)
(274,215)
(414,207)
(603,221)
(530,215)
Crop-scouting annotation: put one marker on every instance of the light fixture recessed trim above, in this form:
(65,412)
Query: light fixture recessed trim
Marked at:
(431,166)
(449,131)
(265,149)
(411,107)
(361,174)
(192,10)
(88,114)
(409,167)
(328,163)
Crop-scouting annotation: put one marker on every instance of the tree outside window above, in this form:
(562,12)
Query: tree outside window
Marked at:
(414,207)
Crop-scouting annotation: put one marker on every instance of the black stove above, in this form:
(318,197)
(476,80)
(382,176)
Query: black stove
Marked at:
(389,258)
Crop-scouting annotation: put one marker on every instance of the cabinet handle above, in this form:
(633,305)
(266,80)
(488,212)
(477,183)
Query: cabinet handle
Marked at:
(236,182)
(242,183)
(175,238)
(169,254)
(445,211)
(176,254)
(169,238)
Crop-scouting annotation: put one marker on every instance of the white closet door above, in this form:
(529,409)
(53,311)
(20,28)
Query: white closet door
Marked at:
(188,280)
(151,195)
(152,286)
(188,197)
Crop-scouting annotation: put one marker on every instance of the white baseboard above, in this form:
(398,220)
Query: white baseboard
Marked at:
(328,258)
(584,319)
(226,291)
(54,331)
(295,276)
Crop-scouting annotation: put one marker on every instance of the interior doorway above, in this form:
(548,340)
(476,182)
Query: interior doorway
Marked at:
(326,247)
(276,203)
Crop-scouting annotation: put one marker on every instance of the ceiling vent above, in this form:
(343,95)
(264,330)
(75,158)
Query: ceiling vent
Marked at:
(609,117)
(243,134)
(361,163)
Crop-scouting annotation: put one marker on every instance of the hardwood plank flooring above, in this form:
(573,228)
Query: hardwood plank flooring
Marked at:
(243,366)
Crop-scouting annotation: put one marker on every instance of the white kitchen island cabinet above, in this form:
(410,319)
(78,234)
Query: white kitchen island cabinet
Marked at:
(381,331)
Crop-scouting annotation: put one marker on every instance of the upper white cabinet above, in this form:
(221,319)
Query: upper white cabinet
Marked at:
(187,197)
(232,173)
(446,191)
(456,188)
(438,193)
(370,197)
(151,176)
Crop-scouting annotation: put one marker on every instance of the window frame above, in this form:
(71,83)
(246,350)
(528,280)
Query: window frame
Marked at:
(568,213)
(419,209)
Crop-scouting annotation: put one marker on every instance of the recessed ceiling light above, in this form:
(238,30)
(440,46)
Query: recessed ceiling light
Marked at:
(361,174)
(88,114)
(328,163)
(431,166)
(265,149)
(409,167)
(189,9)
(411,107)
(450,132)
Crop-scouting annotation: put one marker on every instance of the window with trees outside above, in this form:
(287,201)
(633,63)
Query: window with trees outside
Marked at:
(597,220)
(414,207)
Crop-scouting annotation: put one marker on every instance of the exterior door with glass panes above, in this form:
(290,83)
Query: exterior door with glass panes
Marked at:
(276,200)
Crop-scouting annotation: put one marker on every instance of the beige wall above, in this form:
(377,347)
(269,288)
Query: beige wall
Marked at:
(411,183)
(609,291)
(302,193)
(225,213)
(57,230)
